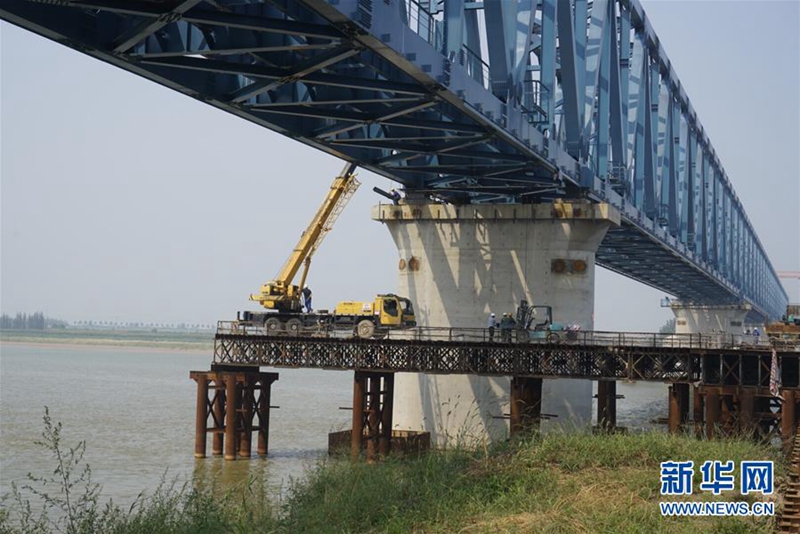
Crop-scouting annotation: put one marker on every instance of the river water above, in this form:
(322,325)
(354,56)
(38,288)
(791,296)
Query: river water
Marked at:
(135,409)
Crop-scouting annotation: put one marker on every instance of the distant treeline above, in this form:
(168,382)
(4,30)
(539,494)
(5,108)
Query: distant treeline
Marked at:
(34,321)
(668,327)
(129,324)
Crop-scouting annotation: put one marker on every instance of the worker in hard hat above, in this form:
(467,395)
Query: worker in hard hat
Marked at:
(491,323)
(506,325)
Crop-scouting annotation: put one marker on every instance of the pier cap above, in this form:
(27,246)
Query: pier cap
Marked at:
(561,210)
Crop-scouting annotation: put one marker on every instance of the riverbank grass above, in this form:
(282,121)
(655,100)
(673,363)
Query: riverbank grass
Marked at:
(556,483)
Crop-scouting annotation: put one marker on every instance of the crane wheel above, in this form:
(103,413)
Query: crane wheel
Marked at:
(365,329)
(294,326)
(273,325)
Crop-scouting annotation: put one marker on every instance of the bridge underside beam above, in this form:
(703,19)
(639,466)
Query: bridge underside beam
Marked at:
(625,250)
(294,73)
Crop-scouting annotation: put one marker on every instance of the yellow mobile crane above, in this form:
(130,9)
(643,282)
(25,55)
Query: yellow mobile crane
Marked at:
(284,297)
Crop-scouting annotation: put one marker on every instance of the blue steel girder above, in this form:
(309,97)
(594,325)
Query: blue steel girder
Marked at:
(495,101)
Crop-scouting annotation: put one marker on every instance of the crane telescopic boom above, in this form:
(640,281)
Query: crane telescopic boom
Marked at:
(279,294)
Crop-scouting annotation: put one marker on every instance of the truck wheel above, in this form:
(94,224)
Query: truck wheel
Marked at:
(273,325)
(553,338)
(294,326)
(365,329)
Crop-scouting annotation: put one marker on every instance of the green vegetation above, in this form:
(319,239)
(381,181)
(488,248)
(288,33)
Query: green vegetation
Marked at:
(553,483)
(35,321)
(120,338)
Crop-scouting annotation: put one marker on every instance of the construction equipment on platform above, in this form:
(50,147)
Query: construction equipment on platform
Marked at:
(385,311)
(786,332)
(526,329)
(284,298)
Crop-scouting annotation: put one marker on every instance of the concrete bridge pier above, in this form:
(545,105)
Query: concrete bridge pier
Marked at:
(458,264)
(702,319)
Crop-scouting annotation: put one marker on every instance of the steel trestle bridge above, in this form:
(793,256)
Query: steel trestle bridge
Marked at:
(714,359)
(468,102)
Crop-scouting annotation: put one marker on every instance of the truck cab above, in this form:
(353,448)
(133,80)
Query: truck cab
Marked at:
(395,311)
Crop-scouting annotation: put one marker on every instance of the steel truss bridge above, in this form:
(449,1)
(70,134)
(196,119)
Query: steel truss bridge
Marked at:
(466,102)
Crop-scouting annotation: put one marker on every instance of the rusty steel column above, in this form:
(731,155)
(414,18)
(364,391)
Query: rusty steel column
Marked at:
(201,416)
(386,414)
(248,398)
(712,412)
(697,414)
(373,414)
(525,403)
(231,408)
(683,401)
(674,410)
(515,408)
(263,416)
(606,404)
(532,417)
(788,418)
(358,414)
(218,438)
(747,411)
(678,406)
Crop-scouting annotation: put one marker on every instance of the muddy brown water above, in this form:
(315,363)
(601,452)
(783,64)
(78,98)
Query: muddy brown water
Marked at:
(135,409)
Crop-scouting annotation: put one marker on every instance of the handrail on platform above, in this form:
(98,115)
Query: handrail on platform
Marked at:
(718,340)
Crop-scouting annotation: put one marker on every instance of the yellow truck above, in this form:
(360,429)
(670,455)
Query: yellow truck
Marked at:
(364,319)
(386,311)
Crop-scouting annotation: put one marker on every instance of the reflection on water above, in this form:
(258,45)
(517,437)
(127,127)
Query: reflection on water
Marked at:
(135,409)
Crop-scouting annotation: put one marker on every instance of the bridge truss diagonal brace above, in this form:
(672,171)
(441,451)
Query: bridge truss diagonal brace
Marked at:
(311,65)
(138,32)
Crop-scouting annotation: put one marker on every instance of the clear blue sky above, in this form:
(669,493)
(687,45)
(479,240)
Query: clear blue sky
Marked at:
(122,200)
